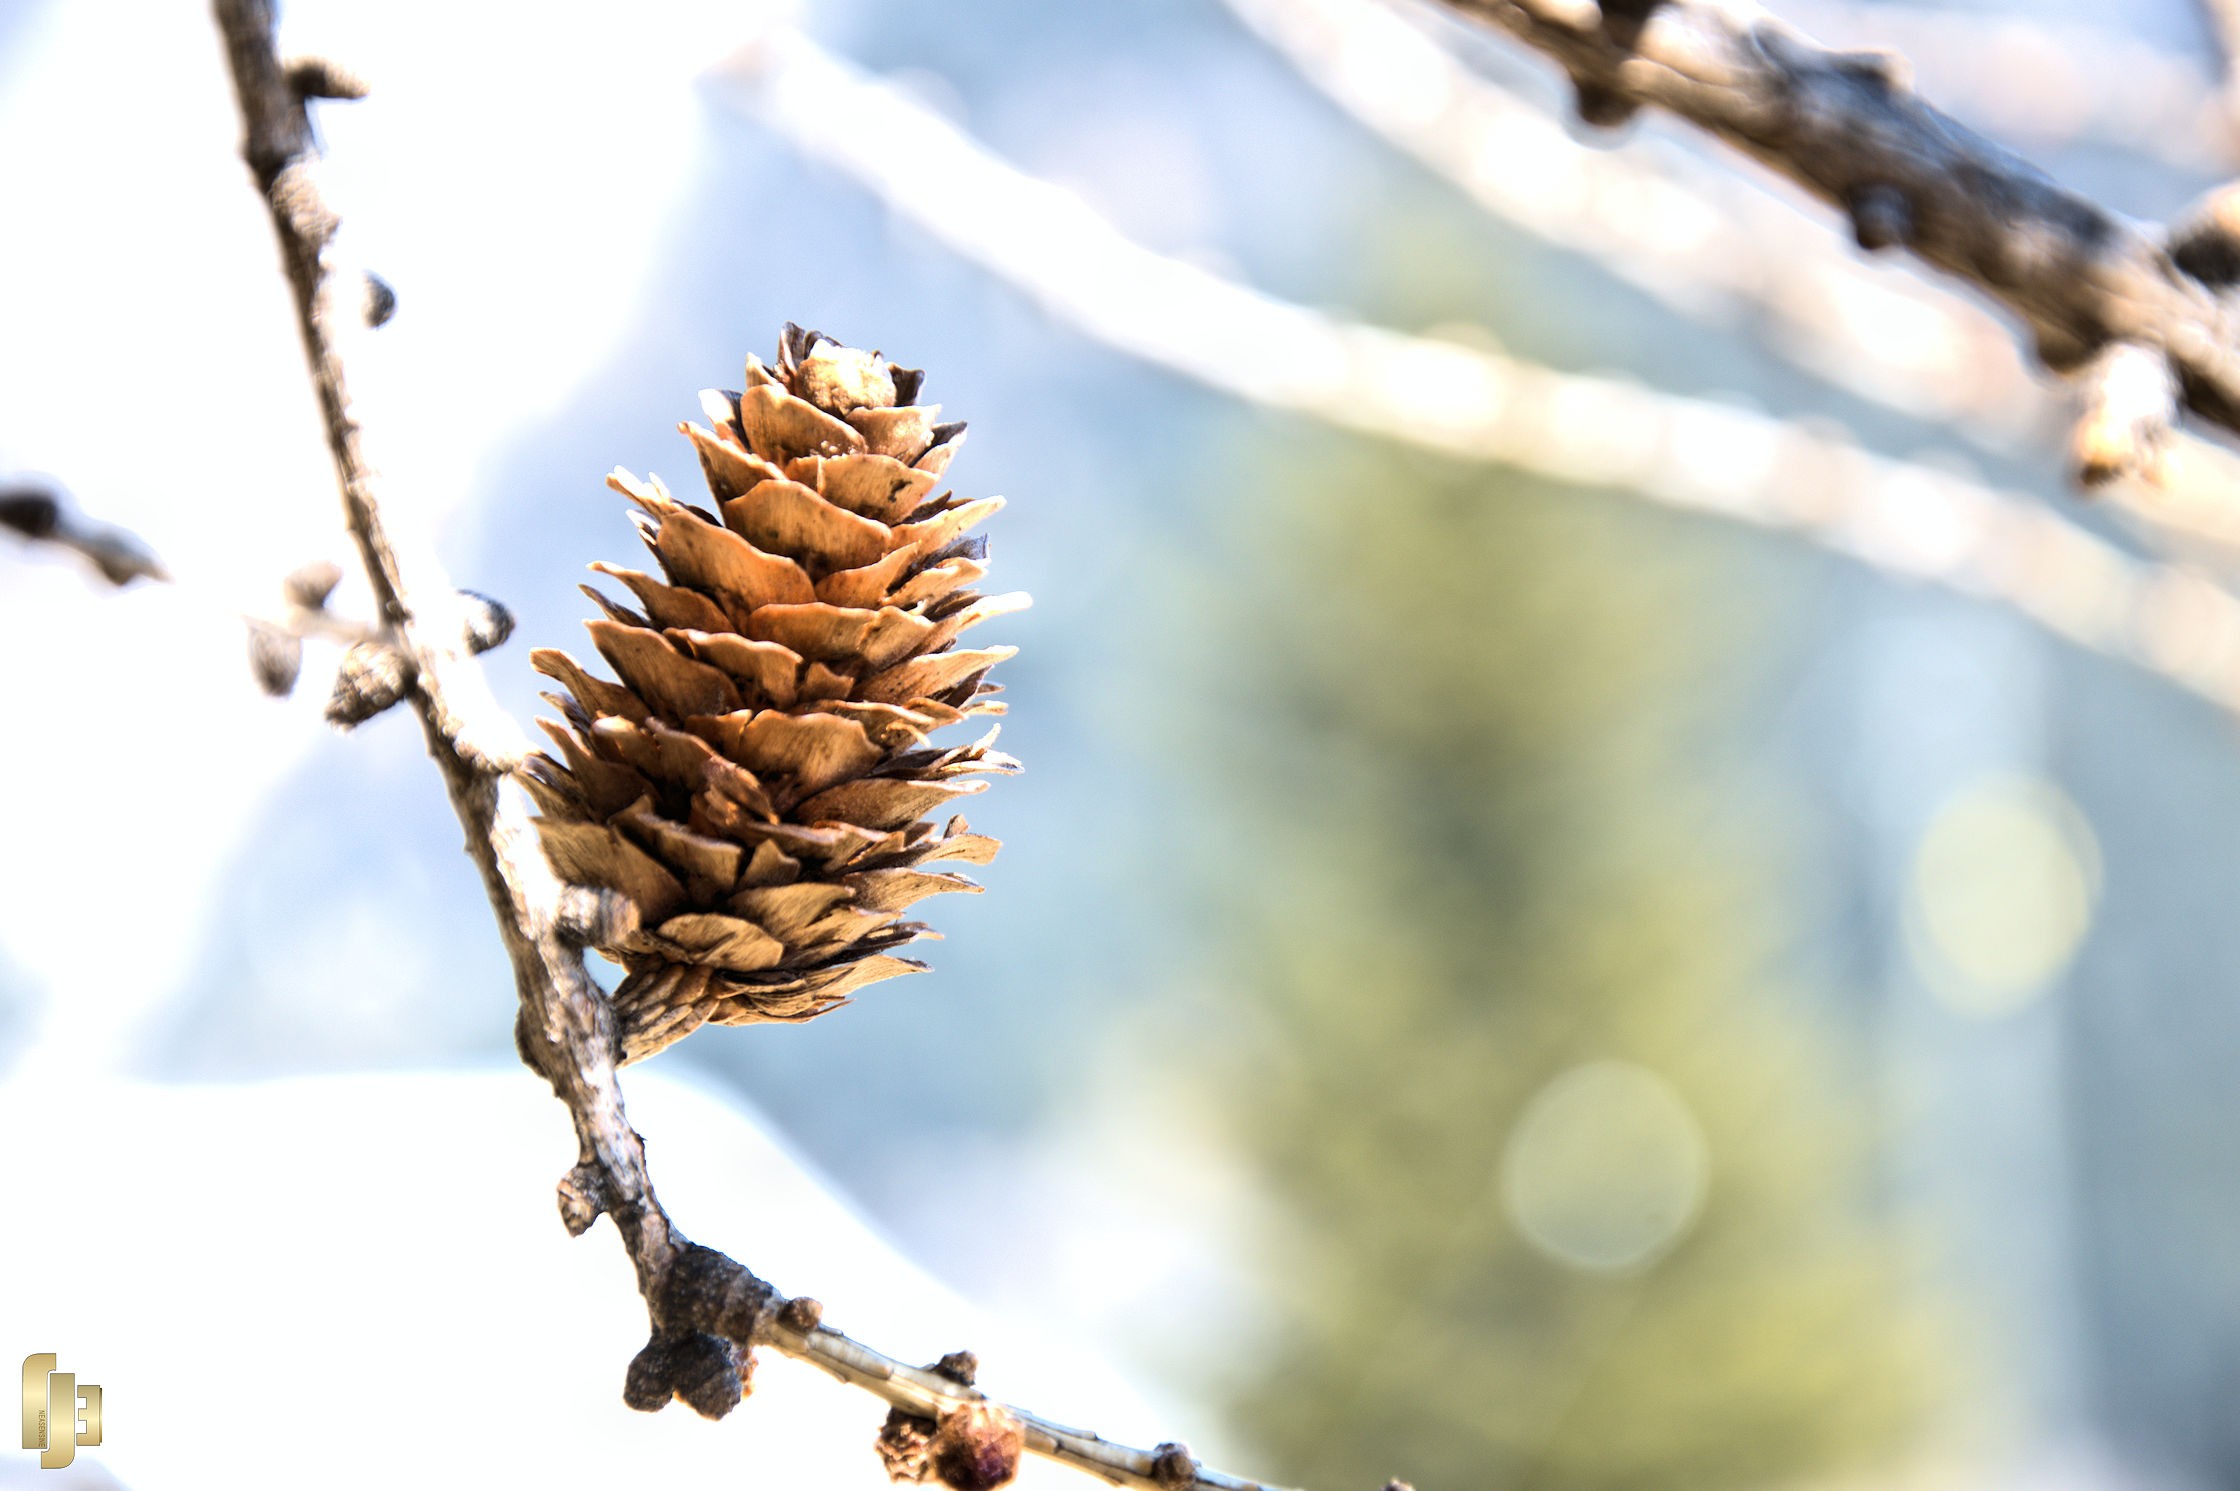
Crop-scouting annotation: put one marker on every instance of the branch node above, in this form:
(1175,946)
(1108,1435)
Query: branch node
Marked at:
(801,1314)
(371,677)
(582,1199)
(2128,402)
(703,1290)
(321,77)
(708,1374)
(1881,217)
(1172,1465)
(1601,106)
(297,201)
(960,1367)
(976,1447)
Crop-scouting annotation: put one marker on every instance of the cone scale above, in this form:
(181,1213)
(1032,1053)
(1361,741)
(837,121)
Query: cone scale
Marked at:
(759,782)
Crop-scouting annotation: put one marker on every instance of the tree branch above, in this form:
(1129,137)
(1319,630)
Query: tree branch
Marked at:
(706,1310)
(1849,128)
(1907,520)
(1697,238)
(1707,245)
(43,515)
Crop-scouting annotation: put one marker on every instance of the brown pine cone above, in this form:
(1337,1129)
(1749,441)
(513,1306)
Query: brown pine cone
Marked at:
(757,783)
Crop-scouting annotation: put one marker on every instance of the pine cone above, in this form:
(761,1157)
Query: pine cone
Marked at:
(756,782)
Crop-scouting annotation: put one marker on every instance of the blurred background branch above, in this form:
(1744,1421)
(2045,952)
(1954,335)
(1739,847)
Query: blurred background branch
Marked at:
(1849,128)
(43,515)
(1719,249)
(1912,521)
(2046,78)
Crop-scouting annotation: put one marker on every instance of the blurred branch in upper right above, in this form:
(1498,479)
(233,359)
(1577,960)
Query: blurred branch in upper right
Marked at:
(1714,244)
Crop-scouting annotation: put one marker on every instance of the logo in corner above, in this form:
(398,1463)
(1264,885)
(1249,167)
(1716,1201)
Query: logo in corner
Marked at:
(59,1413)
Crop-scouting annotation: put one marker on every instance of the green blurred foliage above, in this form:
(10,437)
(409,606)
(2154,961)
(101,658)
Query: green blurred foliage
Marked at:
(1475,832)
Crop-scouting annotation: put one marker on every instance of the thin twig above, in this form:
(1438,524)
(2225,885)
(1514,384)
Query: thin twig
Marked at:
(44,515)
(1907,520)
(1849,128)
(706,1310)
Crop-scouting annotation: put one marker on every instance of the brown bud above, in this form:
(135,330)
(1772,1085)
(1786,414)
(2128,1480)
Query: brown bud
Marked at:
(709,1374)
(381,300)
(486,623)
(310,585)
(320,77)
(579,1201)
(977,1447)
(275,657)
(1172,1465)
(371,677)
(30,512)
(800,1314)
(904,1446)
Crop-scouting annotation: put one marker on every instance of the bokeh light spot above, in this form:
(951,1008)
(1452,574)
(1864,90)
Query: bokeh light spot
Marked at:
(2001,894)
(1607,1169)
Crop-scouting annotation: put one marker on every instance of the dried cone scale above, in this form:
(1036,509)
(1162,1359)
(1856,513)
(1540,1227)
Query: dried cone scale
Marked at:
(759,783)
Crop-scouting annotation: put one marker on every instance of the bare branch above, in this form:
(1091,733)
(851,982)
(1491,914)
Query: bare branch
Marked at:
(1698,239)
(1907,520)
(1849,128)
(566,1031)
(706,1310)
(1707,245)
(42,515)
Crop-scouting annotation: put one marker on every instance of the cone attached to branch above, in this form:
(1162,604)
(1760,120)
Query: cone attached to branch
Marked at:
(760,783)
